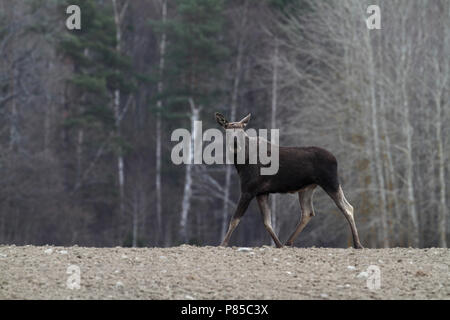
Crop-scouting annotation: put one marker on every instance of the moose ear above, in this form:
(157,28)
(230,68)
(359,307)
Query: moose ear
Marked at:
(221,119)
(246,119)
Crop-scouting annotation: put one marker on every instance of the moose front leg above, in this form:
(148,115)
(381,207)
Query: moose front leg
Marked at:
(244,201)
(265,211)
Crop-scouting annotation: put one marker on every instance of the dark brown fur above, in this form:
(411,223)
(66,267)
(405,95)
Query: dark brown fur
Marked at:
(301,169)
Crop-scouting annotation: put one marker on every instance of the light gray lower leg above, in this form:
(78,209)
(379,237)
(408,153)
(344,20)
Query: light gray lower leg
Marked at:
(244,201)
(265,211)
(305,197)
(347,210)
(233,224)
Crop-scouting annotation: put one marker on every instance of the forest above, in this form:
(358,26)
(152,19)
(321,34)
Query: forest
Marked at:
(86,117)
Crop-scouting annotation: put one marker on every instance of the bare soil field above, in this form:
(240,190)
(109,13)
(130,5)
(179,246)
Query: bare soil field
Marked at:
(190,272)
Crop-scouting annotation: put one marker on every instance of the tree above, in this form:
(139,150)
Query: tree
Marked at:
(236,81)
(101,75)
(162,53)
(194,56)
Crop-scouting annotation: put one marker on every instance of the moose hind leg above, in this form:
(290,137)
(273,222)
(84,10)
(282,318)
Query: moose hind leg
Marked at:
(265,211)
(305,197)
(347,209)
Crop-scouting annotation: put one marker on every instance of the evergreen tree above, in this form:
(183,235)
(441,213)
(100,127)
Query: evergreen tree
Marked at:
(195,51)
(99,70)
(195,54)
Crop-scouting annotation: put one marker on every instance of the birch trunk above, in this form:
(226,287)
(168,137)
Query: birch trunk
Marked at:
(187,192)
(442,214)
(118,16)
(14,135)
(443,85)
(411,205)
(234,98)
(405,63)
(162,50)
(135,219)
(391,179)
(273,125)
(390,169)
(377,162)
(79,151)
(410,182)
(410,200)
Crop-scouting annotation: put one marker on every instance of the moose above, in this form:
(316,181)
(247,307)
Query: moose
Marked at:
(301,170)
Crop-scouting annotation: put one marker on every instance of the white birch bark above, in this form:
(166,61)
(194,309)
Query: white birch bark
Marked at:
(273,124)
(118,17)
(377,162)
(442,69)
(442,212)
(407,128)
(187,191)
(162,50)
(135,219)
(14,135)
(233,107)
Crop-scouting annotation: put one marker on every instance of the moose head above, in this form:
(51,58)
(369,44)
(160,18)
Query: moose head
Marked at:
(232,125)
